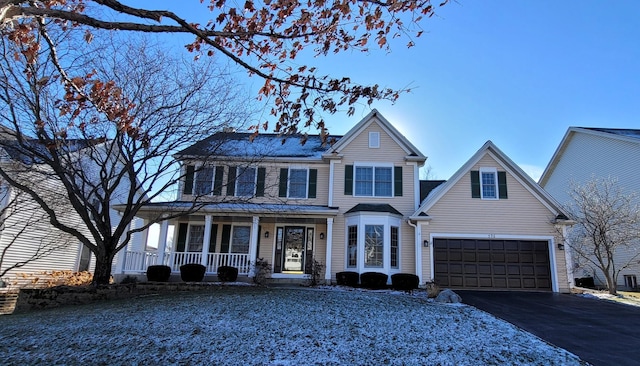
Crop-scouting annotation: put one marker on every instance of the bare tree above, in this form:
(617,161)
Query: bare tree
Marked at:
(100,144)
(23,224)
(607,223)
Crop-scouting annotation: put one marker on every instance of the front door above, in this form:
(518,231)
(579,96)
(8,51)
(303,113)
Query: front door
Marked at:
(293,249)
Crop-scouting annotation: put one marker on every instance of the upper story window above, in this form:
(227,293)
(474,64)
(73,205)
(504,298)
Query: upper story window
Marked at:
(374,140)
(203,181)
(296,182)
(488,184)
(246,181)
(374,181)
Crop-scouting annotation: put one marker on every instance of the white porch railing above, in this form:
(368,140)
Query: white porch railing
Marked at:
(137,261)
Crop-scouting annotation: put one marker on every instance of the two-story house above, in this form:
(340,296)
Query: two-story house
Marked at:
(354,204)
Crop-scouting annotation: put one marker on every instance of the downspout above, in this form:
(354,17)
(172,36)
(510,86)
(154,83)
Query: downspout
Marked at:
(418,258)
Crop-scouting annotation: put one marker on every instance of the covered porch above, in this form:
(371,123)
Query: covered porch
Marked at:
(288,237)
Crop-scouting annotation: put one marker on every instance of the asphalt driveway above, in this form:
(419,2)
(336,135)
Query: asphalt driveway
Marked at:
(599,332)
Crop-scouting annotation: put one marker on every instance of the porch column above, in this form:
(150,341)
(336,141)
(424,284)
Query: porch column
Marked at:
(206,239)
(327,264)
(122,254)
(162,241)
(253,245)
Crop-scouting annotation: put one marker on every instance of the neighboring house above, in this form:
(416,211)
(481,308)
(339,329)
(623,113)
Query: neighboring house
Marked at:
(27,237)
(585,153)
(355,205)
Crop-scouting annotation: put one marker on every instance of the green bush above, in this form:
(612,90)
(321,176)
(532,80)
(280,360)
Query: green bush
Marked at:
(158,273)
(347,278)
(374,280)
(227,273)
(404,281)
(192,272)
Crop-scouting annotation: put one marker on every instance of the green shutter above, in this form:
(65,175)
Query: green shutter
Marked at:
(217,181)
(475,184)
(502,185)
(284,177)
(226,238)
(397,181)
(348,180)
(260,184)
(231,181)
(188,180)
(212,239)
(313,182)
(182,236)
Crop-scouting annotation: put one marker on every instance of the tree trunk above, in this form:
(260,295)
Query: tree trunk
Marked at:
(611,284)
(102,272)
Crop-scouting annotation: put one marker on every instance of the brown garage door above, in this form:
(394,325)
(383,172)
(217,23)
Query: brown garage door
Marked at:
(492,264)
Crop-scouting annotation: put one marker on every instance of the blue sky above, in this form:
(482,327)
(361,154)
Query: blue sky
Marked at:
(518,73)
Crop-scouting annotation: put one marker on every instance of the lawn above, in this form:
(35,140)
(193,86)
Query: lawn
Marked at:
(262,326)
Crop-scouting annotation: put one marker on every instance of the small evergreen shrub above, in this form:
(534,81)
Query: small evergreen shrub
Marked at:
(373,280)
(227,273)
(317,272)
(128,280)
(158,273)
(192,272)
(262,272)
(404,281)
(347,278)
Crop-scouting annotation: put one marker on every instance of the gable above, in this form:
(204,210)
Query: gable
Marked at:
(359,148)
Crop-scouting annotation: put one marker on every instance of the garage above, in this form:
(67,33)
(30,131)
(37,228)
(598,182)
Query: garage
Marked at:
(492,264)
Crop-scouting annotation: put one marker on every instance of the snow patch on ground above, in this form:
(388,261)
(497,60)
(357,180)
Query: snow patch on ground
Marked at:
(272,326)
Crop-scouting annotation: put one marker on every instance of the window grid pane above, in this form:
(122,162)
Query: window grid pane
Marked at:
(394,247)
(489,185)
(196,238)
(383,182)
(373,246)
(246,182)
(298,183)
(240,239)
(204,178)
(364,181)
(352,246)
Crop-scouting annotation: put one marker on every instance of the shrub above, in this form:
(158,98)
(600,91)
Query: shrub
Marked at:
(347,278)
(262,271)
(317,270)
(129,280)
(373,280)
(158,273)
(227,273)
(192,272)
(433,289)
(404,281)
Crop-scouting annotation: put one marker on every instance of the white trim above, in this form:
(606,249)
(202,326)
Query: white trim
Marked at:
(329,248)
(253,244)
(373,166)
(292,276)
(550,240)
(162,240)
(206,239)
(331,177)
(360,221)
(489,170)
(416,185)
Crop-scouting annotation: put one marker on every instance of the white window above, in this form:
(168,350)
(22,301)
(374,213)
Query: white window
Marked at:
(374,140)
(298,183)
(489,183)
(204,180)
(196,238)
(246,182)
(240,239)
(372,242)
(373,181)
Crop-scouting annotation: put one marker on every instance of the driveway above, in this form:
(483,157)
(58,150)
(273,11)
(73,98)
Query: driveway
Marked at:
(598,331)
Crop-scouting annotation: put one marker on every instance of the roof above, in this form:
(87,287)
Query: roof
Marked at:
(622,134)
(241,207)
(240,145)
(29,151)
(374,207)
(490,148)
(426,186)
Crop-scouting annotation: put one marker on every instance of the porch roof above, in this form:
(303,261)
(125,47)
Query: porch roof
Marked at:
(262,209)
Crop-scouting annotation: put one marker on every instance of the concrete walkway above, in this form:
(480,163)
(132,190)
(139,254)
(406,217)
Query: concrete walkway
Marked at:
(598,331)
